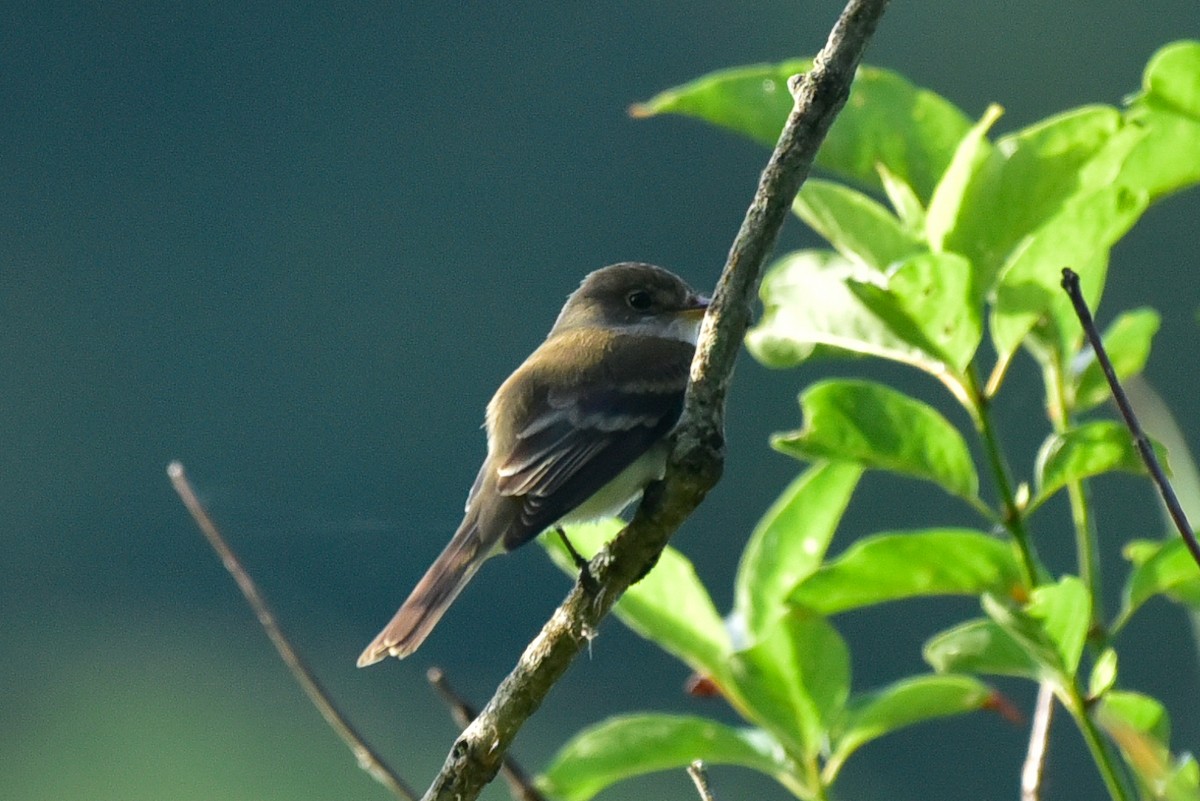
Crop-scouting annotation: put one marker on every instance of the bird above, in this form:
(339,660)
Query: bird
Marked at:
(574,434)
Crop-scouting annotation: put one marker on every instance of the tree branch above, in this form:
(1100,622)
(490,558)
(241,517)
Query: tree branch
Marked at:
(697,460)
(368,760)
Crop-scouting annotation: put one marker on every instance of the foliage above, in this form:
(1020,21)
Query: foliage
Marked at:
(970,242)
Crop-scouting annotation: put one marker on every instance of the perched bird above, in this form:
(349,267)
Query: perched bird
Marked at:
(576,433)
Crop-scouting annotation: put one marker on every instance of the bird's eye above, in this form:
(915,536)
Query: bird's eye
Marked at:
(639,300)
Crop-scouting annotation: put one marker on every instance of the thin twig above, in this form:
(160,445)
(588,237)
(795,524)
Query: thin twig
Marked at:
(1039,738)
(463,713)
(368,760)
(698,456)
(700,779)
(1070,283)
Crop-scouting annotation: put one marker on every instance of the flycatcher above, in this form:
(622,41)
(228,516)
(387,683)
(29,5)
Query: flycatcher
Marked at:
(576,433)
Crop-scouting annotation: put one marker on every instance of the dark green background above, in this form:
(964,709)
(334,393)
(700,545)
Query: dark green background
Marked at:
(297,246)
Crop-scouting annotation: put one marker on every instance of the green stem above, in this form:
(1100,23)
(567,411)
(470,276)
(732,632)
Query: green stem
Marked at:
(1086,546)
(1101,754)
(1012,517)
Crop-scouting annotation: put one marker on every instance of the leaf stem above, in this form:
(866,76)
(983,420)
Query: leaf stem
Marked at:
(1012,517)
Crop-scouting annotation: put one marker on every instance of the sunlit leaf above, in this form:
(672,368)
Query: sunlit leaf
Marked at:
(857,226)
(904,200)
(972,155)
(893,566)
(1024,181)
(1078,236)
(1127,343)
(905,703)
(790,541)
(633,745)
(928,302)
(881,428)
(979,646)
(795,680)
(669,606)
(887,120)
(1168,109)
(1104,673)
(1159,567)
(807,303)
(1089,449)
(1051,629)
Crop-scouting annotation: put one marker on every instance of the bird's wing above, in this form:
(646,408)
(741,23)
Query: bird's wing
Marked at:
(579,435)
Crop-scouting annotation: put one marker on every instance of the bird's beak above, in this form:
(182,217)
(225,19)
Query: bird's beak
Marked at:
(697,305)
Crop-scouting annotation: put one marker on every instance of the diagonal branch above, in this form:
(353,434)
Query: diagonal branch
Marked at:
(698,457)
(368,760)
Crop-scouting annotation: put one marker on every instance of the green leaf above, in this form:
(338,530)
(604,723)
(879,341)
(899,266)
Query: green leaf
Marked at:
(894,566)
(887,120)
(807,303)
(1104,673)
(979,646)
(881,428)
(1140,727)
(857,226)
(1026,178)
(972,155)
(795,680)
(905,703)
(790,541)
(1052,629)
(1079,236)
(928,302)
(1089,449)
(904,200)
(669,606)
(1168,110)
(633,745)
(1127,343)
(1165,567)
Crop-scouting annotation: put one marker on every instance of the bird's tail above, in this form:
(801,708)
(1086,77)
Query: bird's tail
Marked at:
(433,594)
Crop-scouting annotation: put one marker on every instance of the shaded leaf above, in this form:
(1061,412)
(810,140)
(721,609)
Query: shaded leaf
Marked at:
(887,120)
(893,566)
(795,680)
(1140,727)
(633,745)
(978,646)
(669,606)
(790,541)
(905,703)
(857,226)
(1127,342)
(1089,449)
(881,428)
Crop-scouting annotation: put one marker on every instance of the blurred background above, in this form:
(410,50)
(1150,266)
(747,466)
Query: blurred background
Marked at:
(298,248)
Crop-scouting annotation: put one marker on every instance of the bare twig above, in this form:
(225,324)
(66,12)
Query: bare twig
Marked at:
(700,779)
(463,713)
(1039,738)
(1070,283)
(368,760)
(697,460)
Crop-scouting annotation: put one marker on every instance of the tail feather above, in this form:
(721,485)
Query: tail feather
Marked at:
(429,600)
